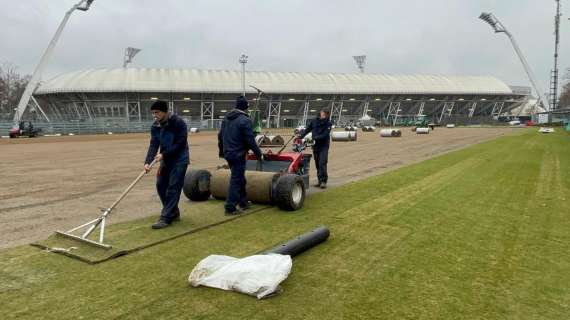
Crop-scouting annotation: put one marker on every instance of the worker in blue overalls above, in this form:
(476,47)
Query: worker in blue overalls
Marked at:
(235,139)
(321,128)
(169,147)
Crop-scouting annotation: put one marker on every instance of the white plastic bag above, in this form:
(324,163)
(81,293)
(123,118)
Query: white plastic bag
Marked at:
(258,275)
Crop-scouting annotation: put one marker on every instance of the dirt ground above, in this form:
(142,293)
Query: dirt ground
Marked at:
(53,183)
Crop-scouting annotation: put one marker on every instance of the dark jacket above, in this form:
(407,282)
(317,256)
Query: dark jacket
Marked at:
(236,138)
(172,140)
(321,129)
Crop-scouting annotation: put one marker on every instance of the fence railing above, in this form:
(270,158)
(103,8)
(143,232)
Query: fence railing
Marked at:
(79,127)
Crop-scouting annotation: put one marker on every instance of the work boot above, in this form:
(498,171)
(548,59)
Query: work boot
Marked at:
(323,185)
(160,224)
(176,217)
(318,185)
(235,212)
(247,206)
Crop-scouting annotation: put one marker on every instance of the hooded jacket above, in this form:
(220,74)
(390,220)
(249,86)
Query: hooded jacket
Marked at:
(171,138)
(235,137)
(321,129)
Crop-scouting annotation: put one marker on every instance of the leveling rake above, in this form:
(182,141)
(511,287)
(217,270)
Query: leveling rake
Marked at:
(90,226)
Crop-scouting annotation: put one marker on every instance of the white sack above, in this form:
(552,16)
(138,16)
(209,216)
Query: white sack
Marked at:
(258,275)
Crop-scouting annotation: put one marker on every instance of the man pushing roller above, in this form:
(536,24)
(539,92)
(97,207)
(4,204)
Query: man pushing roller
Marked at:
(169,147)
(321,128)
(235,139)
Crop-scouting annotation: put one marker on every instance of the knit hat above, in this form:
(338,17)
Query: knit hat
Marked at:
(159,105)
(241,103)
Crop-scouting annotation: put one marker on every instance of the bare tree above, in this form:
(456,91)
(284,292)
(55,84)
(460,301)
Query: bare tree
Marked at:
(12,86)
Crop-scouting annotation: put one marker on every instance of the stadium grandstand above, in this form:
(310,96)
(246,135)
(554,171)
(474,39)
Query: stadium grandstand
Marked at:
(202,97)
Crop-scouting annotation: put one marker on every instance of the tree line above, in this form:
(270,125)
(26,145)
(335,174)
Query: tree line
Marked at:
(12,86)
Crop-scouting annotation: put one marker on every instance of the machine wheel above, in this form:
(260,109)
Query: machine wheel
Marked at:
(197,185)
(290,192)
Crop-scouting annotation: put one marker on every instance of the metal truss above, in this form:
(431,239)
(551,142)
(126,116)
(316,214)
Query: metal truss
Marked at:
(472,109)
(421,109)
(274,113)
(134,110)
(365,107)
(306,104)
(497,109)
(393,112)
(207,110)
(37,105)
(447,110)
(336,110)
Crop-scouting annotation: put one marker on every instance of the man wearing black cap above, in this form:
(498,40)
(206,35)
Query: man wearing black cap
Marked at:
(235,139)
(169,147)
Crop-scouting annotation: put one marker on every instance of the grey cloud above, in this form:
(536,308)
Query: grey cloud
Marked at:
(399,37)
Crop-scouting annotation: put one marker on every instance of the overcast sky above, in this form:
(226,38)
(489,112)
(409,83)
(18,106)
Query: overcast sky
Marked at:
(398,36)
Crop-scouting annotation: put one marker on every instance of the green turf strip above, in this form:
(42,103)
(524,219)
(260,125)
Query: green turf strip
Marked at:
(482,233)
(132,236)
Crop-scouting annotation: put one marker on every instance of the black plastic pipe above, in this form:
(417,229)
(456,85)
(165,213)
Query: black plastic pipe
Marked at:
(302,243)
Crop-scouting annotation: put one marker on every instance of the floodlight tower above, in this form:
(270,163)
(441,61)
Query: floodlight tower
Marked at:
(360,62)
(82,5)
(243,61)
(500,28)
(130,53)
(555,72)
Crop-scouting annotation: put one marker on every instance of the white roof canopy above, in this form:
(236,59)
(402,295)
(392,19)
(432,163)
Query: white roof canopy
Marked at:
(221,81)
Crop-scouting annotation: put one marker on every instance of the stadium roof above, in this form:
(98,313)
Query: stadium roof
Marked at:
(220,81)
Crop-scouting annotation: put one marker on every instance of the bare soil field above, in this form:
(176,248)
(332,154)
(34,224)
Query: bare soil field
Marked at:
(52,183)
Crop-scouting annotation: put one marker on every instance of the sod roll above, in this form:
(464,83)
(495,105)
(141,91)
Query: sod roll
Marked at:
(262,140)
(388,133)
(258,187)
(342,136)
(276,140)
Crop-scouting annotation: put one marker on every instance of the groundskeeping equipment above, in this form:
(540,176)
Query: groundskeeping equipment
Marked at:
(281,179)
(90,226)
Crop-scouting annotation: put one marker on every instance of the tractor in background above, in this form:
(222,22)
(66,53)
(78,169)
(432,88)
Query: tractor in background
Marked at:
(25,129)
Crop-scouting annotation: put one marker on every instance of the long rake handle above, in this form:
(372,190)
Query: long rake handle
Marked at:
(139,177)
(285,145)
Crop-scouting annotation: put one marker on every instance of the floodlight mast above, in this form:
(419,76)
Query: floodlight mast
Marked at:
(243,61)
(360,62)
(130,53)
(82,5)
(500,28)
